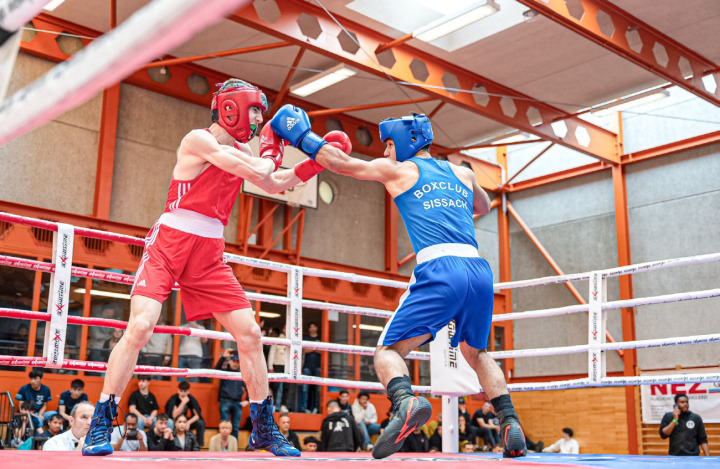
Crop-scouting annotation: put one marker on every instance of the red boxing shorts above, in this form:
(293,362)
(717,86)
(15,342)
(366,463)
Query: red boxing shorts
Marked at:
(196,263)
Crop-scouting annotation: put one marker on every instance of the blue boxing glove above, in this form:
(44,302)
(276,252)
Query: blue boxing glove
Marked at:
(293,124)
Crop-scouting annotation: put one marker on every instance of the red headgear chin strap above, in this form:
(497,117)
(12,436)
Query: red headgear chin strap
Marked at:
(231,106)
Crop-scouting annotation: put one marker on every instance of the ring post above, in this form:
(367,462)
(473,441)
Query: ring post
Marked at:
(596,328)
(56,332)
(294,322)
(450,441)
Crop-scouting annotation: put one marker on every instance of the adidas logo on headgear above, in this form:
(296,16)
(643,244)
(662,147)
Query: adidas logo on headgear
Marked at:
(291,122)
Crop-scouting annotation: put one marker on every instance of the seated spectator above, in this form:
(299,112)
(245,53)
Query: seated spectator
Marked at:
(339,431)
(183,403)
(311,444)
(111,343)
(566,445)
(534,447)
(344,400)
(20,339)
(71,440)
(462,410)
(284,427)
(37,394)
(143,404)
(487,425)
(132,440)
(184,439)
(68,399)
(429,428)
(416,442)
(386,422)
(497,449)
(161,437)
(158,350)
(54,426)
(467,446)
(232,394)
(365,415)
(23,425)
(465,432)
(223,441)
(435,442)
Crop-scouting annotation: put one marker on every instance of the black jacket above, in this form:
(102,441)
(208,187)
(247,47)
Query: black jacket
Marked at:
(688,435)
(436,441)
(191,442)
(339,432)
(159,443)
(415,443)
(231,389)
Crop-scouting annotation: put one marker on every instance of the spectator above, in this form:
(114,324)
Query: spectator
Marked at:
(185,440)
(566,445)
(534,447)
(465,431)
(111,343)
(277,359)
(55,425)
(462,410)
(68,399)
(161,437)
(467,446)
(416,442)
(339,431)
(191,351)
(685,429)
(223,441)
(386,422)
(429,428)
(97,336)
(311,444)
(435,442)
(344,400)
(20,339)
(24,425)
(143,404)
(158,350)
(183,403)
(71,440)
(310,394)
(487,426)
(496,449)
(233,394)
(284,427)
(37,394)
(132,440)
(365,415)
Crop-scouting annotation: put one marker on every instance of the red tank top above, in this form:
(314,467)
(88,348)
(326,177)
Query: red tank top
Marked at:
(212,193)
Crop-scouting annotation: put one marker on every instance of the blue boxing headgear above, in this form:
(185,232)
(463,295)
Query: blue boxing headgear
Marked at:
(410,134)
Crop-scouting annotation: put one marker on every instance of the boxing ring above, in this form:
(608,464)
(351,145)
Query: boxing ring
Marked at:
(61,269)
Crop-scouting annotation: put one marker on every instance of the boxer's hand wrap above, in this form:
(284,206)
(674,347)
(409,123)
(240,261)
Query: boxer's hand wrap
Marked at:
(293,124)
(307,169)
(339,139)
(271,146)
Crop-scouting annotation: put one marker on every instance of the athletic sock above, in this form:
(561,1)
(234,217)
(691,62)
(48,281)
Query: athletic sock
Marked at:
(504,407)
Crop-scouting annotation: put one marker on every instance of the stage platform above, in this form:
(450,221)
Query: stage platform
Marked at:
(247,460)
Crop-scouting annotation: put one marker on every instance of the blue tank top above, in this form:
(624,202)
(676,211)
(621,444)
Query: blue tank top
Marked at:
(438,208)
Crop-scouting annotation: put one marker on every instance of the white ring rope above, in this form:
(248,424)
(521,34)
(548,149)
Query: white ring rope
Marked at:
(149,33)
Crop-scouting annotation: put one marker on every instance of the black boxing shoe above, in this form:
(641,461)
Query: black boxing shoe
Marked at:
(513,439)
(409,412)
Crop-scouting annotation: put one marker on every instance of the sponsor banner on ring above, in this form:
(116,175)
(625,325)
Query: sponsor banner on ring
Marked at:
(704,399)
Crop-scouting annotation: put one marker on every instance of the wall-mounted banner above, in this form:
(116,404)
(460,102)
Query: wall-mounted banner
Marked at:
(704,398)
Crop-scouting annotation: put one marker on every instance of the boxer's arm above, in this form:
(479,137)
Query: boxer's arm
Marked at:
(481,201)
(379,169)
(202,145)
(278,181)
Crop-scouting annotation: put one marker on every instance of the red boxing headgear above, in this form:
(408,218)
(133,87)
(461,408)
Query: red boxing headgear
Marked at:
(231,106)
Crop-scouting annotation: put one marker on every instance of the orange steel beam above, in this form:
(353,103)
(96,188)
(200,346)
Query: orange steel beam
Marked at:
(435,111)
(280,96)
(528,164)
(282,233)
(362,107)
(496,145)
(631,38)
(106,152)
(552,262)
(298,237)
(504,259)
(264,218)
(476,93)
(216,55)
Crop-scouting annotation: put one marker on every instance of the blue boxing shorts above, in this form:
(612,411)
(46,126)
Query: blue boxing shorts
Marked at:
(442,289)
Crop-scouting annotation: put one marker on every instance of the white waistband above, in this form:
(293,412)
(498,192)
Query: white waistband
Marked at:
(446,249)
(193,223)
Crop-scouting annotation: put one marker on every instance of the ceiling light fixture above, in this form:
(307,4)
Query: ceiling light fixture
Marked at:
(631,101)
(369,327)
(52,4)
(322,81)
(109,294)
(265,314)
(448,24)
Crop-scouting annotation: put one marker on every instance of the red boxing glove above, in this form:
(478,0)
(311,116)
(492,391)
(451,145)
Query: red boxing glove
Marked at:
(271,146)
(307,169)
(340,140)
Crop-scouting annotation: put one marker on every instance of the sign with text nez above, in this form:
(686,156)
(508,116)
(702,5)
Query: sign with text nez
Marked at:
(657,399)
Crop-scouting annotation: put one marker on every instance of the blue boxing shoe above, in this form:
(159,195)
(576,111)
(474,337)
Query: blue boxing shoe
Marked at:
(265,433)
(97,441)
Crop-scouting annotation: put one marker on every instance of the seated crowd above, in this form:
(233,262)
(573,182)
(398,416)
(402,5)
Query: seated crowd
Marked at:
(181,427)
